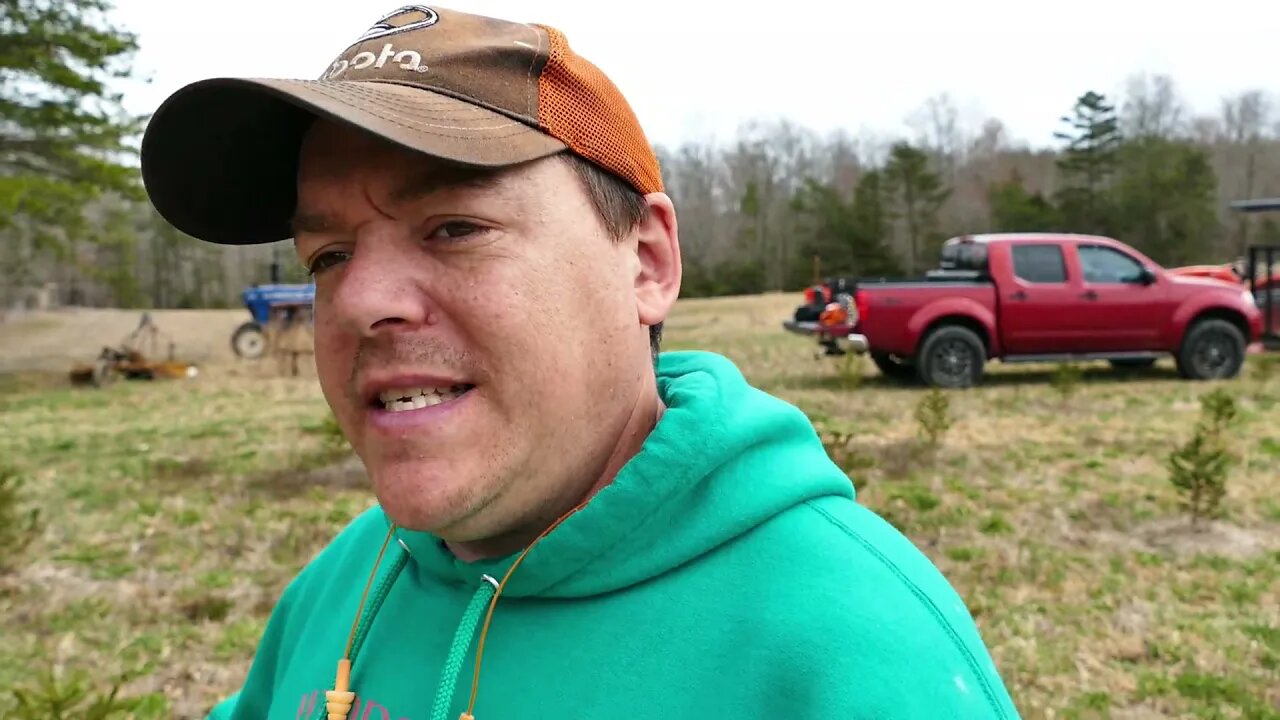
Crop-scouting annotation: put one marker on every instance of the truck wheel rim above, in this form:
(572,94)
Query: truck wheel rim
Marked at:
(954,360)
(1214,355)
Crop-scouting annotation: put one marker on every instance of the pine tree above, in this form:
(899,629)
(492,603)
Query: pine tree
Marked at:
(1165,200)
(848,236)
(64,137)
(1013,209)
(1199,469)
(1087,164)
(918,193)
(873,219)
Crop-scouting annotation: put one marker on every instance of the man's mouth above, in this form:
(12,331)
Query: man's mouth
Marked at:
(417,398)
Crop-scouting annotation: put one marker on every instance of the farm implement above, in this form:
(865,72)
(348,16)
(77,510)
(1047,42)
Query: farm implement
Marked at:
(128,361)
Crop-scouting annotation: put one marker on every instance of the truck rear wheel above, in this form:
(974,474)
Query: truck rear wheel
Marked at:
(951,357)
(1212,349)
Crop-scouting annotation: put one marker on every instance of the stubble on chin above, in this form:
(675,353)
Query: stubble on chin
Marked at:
(431,494)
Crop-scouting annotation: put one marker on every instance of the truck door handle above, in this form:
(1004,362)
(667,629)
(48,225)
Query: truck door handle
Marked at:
(1089,295)
(1019,295)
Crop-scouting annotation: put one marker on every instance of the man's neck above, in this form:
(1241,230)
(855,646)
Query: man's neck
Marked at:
(645,415)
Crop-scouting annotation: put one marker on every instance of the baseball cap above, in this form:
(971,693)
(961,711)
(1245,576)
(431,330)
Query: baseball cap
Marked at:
(220,156)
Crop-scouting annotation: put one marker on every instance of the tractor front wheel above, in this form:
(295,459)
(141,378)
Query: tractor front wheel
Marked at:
(248,341)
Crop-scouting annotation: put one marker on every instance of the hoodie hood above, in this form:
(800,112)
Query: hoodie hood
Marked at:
(723,459)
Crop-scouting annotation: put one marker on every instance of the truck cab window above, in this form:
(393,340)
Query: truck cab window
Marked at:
(1106,265)
(1039,263)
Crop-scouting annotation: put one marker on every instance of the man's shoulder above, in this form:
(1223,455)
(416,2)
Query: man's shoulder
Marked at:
(847,557)
(837,539)
(842,582)
(842,541)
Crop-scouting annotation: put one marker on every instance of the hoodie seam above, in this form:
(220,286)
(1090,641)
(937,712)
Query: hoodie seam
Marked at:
(915,589)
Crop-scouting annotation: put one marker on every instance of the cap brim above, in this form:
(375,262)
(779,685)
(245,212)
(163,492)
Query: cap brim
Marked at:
(220,157)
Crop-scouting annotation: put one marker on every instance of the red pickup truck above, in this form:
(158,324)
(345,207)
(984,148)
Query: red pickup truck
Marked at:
(1033,298)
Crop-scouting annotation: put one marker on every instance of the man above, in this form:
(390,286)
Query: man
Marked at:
(568,524)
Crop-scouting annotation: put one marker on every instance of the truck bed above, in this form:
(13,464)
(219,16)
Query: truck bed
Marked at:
(893,308)
(891,302)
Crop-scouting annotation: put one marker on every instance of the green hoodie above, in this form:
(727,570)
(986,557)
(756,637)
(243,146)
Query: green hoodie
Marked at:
(726,573)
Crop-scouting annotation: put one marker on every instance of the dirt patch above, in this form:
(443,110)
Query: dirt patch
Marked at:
(347,473)
(68,584)
(1138,712)
(1175,537)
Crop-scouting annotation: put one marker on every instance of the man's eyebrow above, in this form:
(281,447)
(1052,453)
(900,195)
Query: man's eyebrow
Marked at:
(437,179)
(310,222)
(414,188)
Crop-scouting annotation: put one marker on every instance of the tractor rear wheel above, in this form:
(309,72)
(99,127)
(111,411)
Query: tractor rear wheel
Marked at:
(248,341)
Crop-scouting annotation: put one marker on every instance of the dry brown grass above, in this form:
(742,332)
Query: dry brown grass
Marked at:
(173,513)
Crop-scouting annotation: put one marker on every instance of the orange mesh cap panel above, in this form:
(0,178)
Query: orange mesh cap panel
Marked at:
(581,107)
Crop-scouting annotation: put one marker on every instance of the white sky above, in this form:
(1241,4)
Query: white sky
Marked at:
(698,69)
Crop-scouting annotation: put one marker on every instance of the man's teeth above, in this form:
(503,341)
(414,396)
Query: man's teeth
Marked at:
(418,398)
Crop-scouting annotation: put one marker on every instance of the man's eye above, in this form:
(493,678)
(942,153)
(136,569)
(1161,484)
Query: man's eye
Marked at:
(326,260)
(453,230)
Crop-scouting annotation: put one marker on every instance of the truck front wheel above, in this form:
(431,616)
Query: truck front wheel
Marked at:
(1211,350)
(951,357)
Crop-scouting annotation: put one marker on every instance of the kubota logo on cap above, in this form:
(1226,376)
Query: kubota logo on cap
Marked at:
(405,59)
(409,17)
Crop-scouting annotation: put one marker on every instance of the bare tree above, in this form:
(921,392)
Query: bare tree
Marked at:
(1245,121)
(938,131)
(840,163)
(1152,108)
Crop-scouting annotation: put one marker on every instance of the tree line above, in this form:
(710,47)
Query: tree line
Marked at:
(768,210)
(780,205)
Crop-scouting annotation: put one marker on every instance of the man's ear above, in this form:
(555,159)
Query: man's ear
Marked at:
(658,249)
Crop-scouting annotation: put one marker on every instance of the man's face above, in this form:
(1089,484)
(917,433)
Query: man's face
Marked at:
(479,338)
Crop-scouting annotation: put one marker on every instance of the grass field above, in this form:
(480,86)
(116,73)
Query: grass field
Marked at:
(172,514)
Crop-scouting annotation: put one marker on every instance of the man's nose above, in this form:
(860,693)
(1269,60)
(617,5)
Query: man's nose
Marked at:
(381,285)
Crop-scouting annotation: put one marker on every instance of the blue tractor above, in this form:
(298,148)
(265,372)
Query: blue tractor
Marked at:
(274,307)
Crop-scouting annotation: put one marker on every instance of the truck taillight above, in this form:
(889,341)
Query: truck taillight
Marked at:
(861,303)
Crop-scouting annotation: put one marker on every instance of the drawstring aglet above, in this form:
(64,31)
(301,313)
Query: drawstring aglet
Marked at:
(467,716)
(338,700)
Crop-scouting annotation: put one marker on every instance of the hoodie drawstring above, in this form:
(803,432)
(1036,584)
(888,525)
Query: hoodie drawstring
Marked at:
(379,596)
(469,714)
(458,649)
(340,699)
